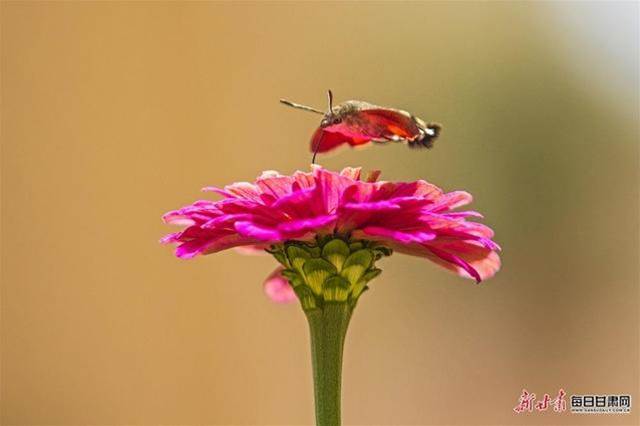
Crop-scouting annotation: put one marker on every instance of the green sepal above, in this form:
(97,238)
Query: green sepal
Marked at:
(382,251)
(353,300)
(361,285)
(362,257)
(316,271)
(280,257)
(353,273)
(297,257)
(371,274)
(336,289)
(356,265)
(306,297)
(314,250)
(332,268)
(356,246)
(336,251)
(293,276)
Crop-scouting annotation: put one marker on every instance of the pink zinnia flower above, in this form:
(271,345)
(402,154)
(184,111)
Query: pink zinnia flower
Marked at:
(415,218)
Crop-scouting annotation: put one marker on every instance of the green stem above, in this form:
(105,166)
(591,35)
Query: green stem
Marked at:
(328,326)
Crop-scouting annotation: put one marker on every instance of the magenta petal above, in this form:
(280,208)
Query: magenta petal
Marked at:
(294,200)
(452,258)
(249,229)
(191,249)
(177,217)
(464,214)
(225,220)
(170,238)
(228,241)
(400,236)
(372,206)
(304,225)
(484,260)
(278,288)
(358,192)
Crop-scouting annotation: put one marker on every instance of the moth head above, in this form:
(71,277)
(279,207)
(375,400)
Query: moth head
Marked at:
(330,119)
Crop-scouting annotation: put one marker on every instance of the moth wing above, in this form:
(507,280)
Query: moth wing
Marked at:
(324,140)
(390,124)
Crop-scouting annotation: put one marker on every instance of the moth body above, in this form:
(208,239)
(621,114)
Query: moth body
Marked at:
(357,123)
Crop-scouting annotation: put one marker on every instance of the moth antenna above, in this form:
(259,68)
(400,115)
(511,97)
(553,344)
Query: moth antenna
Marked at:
(300,106)
(330,96)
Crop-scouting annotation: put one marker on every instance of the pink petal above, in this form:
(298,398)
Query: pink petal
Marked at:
(179,221)
(304,225)
(357,192)
(253,250)
(251,230)
(485,262)
(271,182)
(458,261)
(456,255)
(297,202)
(400,236)
(351,172)
(465,214)
(452,200)
(427,190)
(170,238)
(278,288)
(375,206)
(243,190)
(225,219)
(328,189)
(190,249)
(304,180)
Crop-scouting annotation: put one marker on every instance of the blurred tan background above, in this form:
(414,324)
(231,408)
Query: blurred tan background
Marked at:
(114,113)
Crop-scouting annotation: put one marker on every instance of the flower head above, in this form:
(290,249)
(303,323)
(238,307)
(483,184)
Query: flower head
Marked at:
(415,218)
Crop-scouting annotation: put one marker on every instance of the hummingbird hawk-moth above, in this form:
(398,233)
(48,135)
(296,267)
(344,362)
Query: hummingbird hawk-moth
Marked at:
(357,123)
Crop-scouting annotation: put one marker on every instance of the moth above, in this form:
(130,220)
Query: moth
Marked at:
(358,123)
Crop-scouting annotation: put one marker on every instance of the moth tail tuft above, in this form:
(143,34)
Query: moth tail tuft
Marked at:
(428,136)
